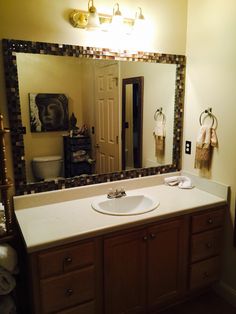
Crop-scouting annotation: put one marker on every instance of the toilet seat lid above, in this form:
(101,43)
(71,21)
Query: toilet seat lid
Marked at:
(47,158)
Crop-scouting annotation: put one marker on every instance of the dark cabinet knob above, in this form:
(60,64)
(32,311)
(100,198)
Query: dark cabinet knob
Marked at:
(68,260)
(69,292)
(209,245)
(145,238)
(205,274)
(152,235)
(210,221)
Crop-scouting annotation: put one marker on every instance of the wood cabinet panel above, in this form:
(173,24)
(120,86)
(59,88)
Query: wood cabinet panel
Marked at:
(205,272)
(56,262)
(207,220)
(206,244)
(87,308)
(67,290)
(125,276)
(167,260)
(147,268)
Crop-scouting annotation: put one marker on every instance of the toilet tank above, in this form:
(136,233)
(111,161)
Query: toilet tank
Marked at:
(47,167)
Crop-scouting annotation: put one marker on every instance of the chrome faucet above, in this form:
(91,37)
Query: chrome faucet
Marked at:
(116,193)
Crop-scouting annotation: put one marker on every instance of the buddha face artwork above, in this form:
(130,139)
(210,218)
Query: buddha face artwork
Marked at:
(48,112)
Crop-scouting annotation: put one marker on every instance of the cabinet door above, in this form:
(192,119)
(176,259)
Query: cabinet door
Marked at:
(167,258)
(125,265)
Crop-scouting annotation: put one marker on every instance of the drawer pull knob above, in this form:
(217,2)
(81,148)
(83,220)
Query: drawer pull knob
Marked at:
(209,245)
(152,235)
(68,260)
(69,292)
(145,238)
(210,221)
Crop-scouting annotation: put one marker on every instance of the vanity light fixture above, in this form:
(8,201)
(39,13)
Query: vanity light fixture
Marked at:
(117,18)
(92,20)
(139,20)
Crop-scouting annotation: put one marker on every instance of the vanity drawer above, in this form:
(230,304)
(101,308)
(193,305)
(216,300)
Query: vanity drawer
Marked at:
(208,220)
(66,259)
(204,273)
(206,244)
(67,290)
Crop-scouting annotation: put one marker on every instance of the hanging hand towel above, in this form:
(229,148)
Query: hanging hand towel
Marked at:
(205,141)
(159,134)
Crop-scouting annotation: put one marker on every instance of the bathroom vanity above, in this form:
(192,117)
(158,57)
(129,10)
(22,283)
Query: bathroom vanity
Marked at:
(82,261)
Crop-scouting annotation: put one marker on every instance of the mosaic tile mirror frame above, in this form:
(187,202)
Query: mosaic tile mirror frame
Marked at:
(12,47)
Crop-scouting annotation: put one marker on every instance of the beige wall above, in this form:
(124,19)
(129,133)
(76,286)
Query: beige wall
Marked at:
(211,81)
(47,21)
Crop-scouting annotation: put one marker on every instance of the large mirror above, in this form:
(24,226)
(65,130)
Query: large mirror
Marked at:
(100,87)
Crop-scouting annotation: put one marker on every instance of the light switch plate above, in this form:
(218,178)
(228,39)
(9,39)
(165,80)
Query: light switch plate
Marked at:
(188,145)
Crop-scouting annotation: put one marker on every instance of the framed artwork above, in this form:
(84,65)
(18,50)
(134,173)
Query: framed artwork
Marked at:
(48,112)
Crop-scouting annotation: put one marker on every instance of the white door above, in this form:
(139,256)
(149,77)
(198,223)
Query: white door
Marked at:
(107,119)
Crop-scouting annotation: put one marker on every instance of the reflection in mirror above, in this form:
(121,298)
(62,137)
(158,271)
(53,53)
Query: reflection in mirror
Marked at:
(132,122)
(92,88)
(91,79)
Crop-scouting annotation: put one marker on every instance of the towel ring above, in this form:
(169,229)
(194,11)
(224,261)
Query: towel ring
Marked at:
(159,113)
(208,113)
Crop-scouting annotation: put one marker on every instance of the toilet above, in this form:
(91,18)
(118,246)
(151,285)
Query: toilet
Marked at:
(47,167)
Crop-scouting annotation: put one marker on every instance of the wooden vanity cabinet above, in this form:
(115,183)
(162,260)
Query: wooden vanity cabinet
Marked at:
(68,279)
(206,241)
(139,270)
(146,268)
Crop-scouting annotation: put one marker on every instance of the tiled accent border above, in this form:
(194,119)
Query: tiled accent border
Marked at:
(11,47)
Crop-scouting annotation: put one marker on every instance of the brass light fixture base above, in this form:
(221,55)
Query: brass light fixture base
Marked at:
(79,19)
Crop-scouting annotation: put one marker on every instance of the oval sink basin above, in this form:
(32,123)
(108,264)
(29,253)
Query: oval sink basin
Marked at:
(125,206)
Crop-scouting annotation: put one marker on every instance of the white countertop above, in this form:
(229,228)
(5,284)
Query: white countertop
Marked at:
(67,221)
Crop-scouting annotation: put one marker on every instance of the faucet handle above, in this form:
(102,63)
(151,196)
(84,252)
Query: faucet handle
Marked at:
(110,193)
(122,191)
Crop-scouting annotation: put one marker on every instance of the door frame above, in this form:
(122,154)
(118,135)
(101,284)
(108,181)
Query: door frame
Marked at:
(138,89)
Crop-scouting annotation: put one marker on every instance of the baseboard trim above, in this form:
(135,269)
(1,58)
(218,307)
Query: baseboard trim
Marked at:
(226,292)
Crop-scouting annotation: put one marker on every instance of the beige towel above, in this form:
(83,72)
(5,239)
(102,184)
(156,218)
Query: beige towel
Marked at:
(159,129)
(159,134)
(206,140)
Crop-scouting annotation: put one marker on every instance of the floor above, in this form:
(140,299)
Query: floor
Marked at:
(209,303)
